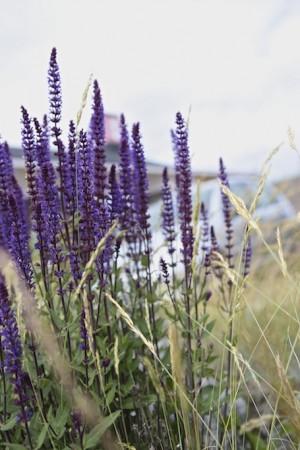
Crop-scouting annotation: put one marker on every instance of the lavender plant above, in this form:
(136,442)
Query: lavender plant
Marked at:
(82,242)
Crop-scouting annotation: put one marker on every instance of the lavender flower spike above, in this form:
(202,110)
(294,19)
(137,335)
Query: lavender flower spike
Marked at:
(85,200)
(168,222)
(247,256)
(126,182)
(97,139)
(29,151)
(55,101)
(227,213)
(12,350)
(71,160)
(184,179)
(204,228)
(141,191)
(205,238)
(114,198)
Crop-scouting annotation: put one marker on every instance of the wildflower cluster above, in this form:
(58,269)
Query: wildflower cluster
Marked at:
(81,238)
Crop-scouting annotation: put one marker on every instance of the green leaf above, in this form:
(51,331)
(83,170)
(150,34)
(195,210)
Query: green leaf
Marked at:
(9,425)
(144,261)
(128,404)
(97,432)
(42,436)
(61,419)
(256,442)
(111,394)
(210,326)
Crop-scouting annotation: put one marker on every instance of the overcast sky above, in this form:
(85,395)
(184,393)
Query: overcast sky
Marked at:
(234,64)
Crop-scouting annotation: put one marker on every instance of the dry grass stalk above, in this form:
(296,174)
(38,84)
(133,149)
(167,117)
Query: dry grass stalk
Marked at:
(283,264)
(259,422)
(83,100)
(92,260)
(131,325)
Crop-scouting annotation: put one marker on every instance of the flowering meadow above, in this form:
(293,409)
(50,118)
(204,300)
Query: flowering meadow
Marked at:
(100,346)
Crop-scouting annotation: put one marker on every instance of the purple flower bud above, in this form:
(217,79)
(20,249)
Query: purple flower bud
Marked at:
(207,296)
(105,363)
(76,422)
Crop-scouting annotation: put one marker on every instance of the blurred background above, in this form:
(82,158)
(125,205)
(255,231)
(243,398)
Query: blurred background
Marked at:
(233,66)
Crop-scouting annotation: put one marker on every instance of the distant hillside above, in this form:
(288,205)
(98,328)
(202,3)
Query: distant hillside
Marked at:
(291,188)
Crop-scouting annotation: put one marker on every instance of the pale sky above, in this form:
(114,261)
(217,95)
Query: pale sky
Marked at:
(235,64)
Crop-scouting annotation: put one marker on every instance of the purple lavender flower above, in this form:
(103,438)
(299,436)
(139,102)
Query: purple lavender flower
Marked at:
(76,423)
(6,168)
(227,213)
(141,186)
(54,93)
(127,216)
(85,198)
(174,147)
(12,349)
(19,234)
(114,196)
(126,182)
(184,174)
(48,195)
(14,219)
(247,256)
(84,345)
(165,271)
(213,241)
(204,228)
(55,106)
(168,222)
(105,363)
(29,151)
(75,263)
(97,138)
(214,248)
(71,159)
(205,238)
(6,176)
